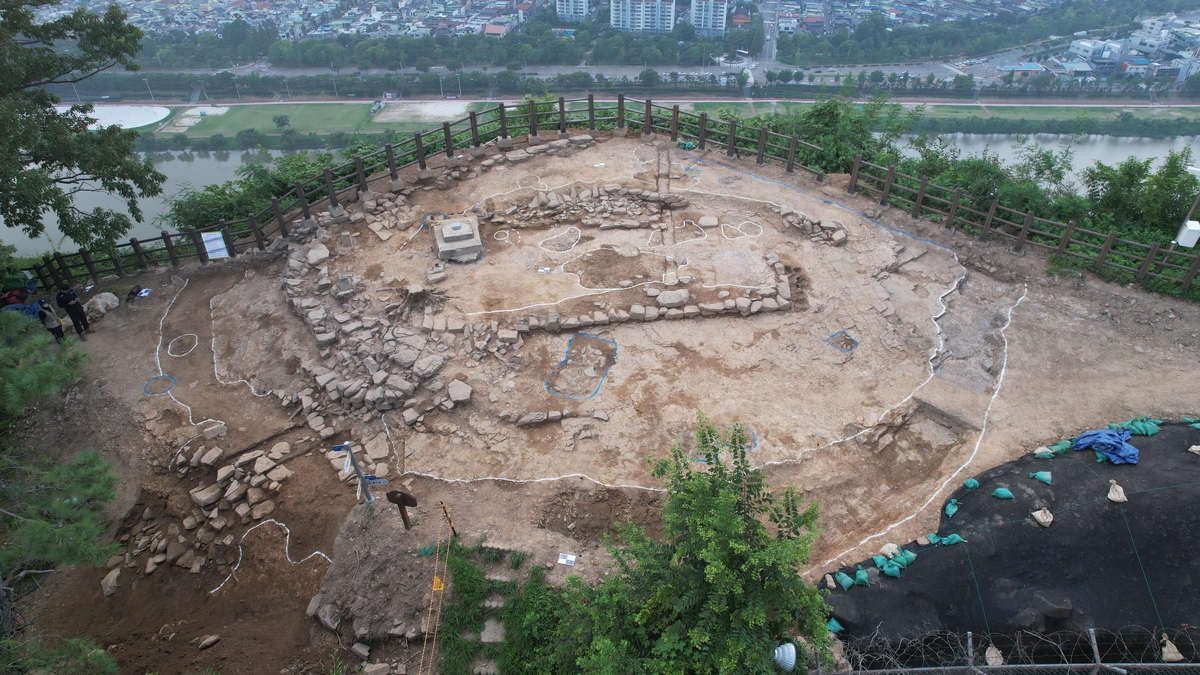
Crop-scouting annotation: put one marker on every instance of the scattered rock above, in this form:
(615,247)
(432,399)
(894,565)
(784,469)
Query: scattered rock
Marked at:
(318,254)
(459,391)
(361,651)
(109,583)
(209,640)
(532,418)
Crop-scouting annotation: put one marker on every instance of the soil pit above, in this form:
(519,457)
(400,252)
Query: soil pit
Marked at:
(583,369)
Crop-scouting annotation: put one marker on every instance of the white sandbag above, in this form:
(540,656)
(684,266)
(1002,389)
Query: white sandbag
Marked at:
(1195,449)
(1116,493)
(993,656)
(1043,517)
(889,551)
(1170,653)
(100,304)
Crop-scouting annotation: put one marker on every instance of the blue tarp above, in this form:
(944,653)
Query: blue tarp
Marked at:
(1110,443)
(30,309)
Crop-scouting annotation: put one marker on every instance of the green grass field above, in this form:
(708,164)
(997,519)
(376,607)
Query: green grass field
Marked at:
(1033,112)
(303,117)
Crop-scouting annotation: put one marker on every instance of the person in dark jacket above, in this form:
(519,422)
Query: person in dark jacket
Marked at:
(50,320)
(70,302)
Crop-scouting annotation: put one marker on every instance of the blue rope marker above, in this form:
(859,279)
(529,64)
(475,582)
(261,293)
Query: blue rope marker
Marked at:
(848,338)
(146,387)
(750,446)
(567,355)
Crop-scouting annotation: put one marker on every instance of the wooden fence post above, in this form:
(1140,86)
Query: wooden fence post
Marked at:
(1104,250)
(258,235)
(1020,245)
(47,280)
(987,224)
(56,277)
(229,244)
(62,265)
(420,151)
(90,265)
(449,138)
(362,176)
(562,118)
(198,242)
(621,111)
(304,200)
(533,123)
(115,259)
(139,253)
(674,123)
(279,219)
(474,130)
(592,114)
(333,200)
(391,160)
(703,129)
(791,164)
(853,186)
(503,122)
(887,185)
(1191,273)
(170,249)
(954,208)
(731,140)
(1141,273)
(920,198)
(648,120)
(1066,238)
(762,145)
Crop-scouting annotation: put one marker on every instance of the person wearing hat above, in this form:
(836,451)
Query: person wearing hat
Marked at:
(69,301)
(50,320)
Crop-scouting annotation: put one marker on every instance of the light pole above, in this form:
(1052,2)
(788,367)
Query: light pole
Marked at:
(76,93)
(237,88)
(147,87)
(289,87)
(335,92)
(440,89)
(460,85)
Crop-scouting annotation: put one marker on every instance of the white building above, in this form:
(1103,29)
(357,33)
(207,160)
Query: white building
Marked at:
(643,16)
(708,17)
(1187,68)
(572,11)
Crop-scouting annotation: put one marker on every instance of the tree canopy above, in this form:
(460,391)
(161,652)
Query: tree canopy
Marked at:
(48,156)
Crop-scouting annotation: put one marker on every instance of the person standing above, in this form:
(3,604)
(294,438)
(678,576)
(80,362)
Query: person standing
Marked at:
(50,320)
(70,302)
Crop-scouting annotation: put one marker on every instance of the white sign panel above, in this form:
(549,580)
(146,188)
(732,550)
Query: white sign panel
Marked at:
(214,245)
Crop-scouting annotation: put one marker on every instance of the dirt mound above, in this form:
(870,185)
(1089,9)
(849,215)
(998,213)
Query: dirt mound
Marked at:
(1099,564)
(589,512)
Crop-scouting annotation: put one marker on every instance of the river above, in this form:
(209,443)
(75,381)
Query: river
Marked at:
(200,169)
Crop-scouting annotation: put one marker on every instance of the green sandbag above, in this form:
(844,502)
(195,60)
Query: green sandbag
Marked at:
(1189,420)
(970,483)
(1061,447)
(1100,458)
(1045,453)
(933,538)
(951,508)
(952,539)
(892,570)
(861,578)
(879,560)
(843,580)
(1141,426)
(1002,493)
(908,556)
(1042,476)
(834,626)
(899,561)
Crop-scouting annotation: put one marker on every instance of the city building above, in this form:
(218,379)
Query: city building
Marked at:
(708,17)
(571,11)
(643,16)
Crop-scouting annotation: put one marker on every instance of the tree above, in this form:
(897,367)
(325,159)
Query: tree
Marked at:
(424,64)
(51,156)
(743,78)
(717,595)
(649,77)
(786,75)
(248,139)
(281,121)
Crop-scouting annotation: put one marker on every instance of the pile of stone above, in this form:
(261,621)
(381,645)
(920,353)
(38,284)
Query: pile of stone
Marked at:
(243,487)
(608,206)
(831,232)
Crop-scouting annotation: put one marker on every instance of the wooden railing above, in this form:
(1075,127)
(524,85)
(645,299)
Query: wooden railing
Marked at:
(957,211)
(257,230)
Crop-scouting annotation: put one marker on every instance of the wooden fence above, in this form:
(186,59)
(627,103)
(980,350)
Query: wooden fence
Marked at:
(258,230)
(957,211)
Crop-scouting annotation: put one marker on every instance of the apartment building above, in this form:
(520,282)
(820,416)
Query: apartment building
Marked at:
(708,17)
(643,16)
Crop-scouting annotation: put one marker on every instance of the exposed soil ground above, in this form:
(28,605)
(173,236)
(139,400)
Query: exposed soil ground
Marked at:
(879,431)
